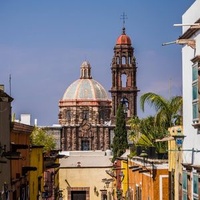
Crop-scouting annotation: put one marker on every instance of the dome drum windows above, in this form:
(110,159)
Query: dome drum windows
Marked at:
(67,114)
(85,114)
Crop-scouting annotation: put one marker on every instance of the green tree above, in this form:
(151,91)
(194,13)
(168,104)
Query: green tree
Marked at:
(144,132)
(40,137)
(168,112)
(120,143)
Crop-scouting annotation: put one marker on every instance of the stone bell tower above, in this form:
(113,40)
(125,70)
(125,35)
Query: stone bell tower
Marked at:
(124,77)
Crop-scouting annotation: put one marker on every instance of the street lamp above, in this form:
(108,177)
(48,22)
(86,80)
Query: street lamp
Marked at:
(144,155)
(45,194)
(107,181)
(179,137)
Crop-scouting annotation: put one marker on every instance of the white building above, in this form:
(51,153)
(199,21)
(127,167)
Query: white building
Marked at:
(191,102)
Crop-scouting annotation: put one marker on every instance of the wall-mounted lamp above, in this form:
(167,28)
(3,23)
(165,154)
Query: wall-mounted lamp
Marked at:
(111,173)
(45,194)
(26,169)
(121,176)
(119,194)
(179,137)
(144,155)
(136,169)
(107,181)
(11,155)
(2,148)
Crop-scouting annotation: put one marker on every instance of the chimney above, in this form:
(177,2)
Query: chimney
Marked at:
(2,87)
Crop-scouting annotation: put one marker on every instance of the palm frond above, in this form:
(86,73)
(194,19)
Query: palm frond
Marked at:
(153,100)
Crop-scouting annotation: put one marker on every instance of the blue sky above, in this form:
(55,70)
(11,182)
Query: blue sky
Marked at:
(43,44)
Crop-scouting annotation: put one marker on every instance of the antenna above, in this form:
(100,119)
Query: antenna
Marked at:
(124,17)
(170,88)
(10,83)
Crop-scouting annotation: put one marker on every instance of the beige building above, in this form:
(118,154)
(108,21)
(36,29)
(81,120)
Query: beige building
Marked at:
(83,175)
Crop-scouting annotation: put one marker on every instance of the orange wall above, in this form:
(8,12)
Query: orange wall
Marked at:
(154,188)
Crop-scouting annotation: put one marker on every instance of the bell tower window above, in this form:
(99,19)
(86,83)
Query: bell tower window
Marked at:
(123,60)
(117,60)
(123,79)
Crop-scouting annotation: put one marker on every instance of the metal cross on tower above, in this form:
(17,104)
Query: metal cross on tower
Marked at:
(124,17)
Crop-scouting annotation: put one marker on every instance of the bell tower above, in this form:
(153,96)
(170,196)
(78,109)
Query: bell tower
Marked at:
(124,89)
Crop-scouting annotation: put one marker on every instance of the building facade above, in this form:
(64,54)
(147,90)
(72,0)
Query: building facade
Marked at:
(87,114)
(84,113)
(20,163)
(82,175)
(191,112)
(5,121)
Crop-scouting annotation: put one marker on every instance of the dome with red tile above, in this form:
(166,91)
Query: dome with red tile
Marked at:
(123,38)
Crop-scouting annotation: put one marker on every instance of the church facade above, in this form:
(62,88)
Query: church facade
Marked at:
(86,113)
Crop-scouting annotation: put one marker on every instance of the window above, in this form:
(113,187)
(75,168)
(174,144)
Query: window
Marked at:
(123,60)
(123,79)
(195,186)
(68,114)
(85,114)
(195,91)
(85,145)
(117,60)
(138,193)
(184,186)
(102,114)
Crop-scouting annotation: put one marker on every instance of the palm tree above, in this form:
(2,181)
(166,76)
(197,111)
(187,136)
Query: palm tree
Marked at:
(144,132)
(168,112)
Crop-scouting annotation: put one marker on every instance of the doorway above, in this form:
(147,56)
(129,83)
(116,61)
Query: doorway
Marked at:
(78,195)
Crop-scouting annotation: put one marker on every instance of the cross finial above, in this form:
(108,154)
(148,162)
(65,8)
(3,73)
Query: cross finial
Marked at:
(124,17)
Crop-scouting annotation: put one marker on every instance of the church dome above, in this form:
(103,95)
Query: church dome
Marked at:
(123,38)
(85,88)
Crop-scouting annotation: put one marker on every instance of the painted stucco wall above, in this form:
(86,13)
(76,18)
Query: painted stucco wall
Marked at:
(83,177)
(36,160)
(153,185)
(192,139)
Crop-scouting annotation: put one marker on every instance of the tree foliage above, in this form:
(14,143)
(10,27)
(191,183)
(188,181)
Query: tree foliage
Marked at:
(168,112)
(40,137)
(120,143)
(144,132)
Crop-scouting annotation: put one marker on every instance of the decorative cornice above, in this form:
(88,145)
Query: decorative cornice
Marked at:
(190,32)
(196,59)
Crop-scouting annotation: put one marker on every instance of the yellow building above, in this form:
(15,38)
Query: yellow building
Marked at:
(175,160)
(83,174)
(36,180)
